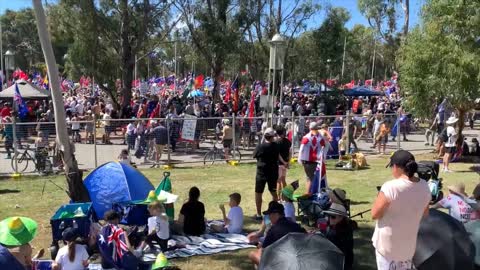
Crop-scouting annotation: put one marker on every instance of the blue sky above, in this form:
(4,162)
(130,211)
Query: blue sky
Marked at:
(350,5)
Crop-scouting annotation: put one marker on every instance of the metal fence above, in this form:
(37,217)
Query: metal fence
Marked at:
(189,140)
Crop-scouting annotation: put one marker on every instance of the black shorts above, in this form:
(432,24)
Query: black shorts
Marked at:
(269,179)
(227,143)
(450,150)
(310,168)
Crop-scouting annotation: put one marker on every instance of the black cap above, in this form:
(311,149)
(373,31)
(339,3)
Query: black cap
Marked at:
(400,158)
(70,234)
(274,207)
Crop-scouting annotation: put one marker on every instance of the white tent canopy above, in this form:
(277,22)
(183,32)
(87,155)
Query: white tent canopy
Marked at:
(27,91)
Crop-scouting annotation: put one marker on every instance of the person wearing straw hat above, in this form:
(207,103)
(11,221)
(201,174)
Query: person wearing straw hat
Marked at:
(340,231)
(458,204)
(450,144)
(15,234)
(72,256)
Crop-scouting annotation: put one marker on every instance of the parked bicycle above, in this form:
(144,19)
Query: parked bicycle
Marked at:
(39,158)
(219,154)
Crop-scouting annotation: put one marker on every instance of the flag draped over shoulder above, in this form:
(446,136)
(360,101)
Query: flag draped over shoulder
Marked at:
(113,247)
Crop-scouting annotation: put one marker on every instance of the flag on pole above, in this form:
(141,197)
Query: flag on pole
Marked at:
(18,100)
(199,82)
(251,107)
(228,93)
(236,98)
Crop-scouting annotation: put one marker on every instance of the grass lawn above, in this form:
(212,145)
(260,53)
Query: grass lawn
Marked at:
(24,198)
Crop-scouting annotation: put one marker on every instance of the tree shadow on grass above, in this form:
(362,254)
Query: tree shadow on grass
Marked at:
(363,249)
(7,191)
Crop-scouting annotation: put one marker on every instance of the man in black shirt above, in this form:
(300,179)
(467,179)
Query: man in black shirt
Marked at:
(160,135)
(284,149)
(281,226)
(267,156)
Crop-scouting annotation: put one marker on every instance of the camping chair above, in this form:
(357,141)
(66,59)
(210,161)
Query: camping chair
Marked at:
(429,171)
(311,209)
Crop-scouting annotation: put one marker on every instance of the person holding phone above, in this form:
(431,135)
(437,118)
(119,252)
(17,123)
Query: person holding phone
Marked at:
(398,209)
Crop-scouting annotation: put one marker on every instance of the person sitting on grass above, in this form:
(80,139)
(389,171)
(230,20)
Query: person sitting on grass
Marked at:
(16,235)
(289,212)
(72,256)
(233,222)
(192,214)
(340,232)
(158,227)
(281,226)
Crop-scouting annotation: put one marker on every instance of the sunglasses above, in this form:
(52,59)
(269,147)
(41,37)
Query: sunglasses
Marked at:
(332,217)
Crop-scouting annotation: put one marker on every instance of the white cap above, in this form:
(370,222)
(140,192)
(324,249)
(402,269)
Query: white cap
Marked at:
(269,132)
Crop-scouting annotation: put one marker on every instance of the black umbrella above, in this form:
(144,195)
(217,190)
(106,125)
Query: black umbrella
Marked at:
(443,243)
(300,251)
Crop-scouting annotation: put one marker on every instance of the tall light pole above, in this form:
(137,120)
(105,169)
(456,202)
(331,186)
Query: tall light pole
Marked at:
(344,52)
(1,53)
(277,55)
(9,62)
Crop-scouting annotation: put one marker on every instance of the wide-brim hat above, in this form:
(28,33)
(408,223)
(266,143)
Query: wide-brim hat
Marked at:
(451,120)
(458,189)
(336,209)
(152,197)
(288,192)
(160,262)
(16,231)
(337,195)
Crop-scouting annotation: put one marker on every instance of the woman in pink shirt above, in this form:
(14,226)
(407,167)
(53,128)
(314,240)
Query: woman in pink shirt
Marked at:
(398,209)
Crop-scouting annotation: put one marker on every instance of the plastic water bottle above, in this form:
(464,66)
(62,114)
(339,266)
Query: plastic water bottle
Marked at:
(75,225)
(62,225)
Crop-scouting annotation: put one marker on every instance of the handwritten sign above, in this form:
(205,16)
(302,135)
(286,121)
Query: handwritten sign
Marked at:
(189,126)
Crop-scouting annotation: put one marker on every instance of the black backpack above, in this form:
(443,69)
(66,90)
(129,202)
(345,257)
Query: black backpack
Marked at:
(444,135)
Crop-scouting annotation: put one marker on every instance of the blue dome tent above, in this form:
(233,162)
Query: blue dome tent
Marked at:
(115,182)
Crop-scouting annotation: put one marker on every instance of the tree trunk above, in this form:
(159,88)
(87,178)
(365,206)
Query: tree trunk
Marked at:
(461,126)
(128,62)
(406,13)
(217,75)
(76,189)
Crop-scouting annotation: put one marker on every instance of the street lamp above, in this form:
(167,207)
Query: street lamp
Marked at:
(277,56)
(9,62)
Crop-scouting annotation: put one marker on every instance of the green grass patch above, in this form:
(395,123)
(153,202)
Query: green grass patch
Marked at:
(24,197)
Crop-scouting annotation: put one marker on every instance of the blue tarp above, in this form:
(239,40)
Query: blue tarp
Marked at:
(115,182)
(362,92)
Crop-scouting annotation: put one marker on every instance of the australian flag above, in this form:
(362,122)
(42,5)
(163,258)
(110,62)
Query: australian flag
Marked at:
(17,98)
(113,247)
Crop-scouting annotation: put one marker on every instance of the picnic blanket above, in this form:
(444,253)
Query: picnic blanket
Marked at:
(205,245)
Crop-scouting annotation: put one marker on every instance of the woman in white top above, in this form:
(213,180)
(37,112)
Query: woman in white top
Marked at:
(450,143)
(398,209)
(73,256)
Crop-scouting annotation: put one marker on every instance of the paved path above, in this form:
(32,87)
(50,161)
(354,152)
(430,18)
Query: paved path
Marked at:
(85,153)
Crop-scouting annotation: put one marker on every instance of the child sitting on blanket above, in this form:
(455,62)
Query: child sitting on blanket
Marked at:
(234,220)
(158,228)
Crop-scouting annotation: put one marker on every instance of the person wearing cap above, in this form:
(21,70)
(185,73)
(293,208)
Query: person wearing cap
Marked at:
(227,138)
(458,204)
(398,209)
(233,222)
(281,226)
(72,256)
(15,234)
(340,231)
(268,158)
(312,153)
(450,144)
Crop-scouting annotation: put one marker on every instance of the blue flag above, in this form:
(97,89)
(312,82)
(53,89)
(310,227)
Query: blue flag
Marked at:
(17,98)
(113,247)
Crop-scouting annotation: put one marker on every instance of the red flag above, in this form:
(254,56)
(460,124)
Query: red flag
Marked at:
(228,93)
(198,82)
(368,82)
(350,85)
